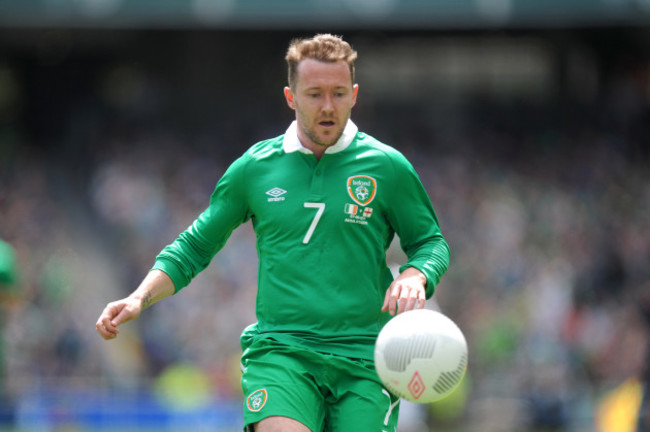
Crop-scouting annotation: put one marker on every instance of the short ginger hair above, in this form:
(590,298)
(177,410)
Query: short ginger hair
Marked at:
(322,47)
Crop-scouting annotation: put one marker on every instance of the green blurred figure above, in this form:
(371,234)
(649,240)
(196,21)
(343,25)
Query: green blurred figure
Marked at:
(8,292)
(8,267)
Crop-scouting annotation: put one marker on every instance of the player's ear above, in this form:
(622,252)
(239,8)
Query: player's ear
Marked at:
(355,90)
(288,95)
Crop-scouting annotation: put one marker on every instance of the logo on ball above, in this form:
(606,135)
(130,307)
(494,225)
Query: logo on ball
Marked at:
(416,386)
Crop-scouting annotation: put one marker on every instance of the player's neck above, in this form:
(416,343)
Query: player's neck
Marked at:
(317,149)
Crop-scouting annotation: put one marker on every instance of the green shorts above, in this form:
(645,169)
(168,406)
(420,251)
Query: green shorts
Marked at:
(322,391)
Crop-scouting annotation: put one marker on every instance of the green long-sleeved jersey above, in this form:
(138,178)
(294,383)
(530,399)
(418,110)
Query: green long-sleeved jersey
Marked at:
(323,228)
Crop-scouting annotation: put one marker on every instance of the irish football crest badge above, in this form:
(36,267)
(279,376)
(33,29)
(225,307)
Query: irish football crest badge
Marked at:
(362,189)
(256,400)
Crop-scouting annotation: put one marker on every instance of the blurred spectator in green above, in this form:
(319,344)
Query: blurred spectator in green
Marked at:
(8,292)
(8,268)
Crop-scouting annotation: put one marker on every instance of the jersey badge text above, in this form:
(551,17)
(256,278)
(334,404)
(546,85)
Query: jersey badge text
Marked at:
(362,189)
(356,215)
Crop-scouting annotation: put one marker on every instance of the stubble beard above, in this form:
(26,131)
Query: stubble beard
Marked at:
(311,134)
(314,138)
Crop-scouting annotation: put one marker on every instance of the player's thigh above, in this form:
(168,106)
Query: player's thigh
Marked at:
(276,383)
(280,424)
(363,404)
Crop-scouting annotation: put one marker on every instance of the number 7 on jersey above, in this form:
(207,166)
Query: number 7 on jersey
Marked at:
(320,208)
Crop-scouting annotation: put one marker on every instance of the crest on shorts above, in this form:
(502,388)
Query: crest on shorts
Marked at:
(256,400)
(362,189)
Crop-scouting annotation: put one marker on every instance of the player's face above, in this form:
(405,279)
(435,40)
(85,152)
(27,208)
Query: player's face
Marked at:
(323,99)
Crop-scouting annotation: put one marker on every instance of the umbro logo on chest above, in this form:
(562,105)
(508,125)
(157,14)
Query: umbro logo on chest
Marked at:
(276,194)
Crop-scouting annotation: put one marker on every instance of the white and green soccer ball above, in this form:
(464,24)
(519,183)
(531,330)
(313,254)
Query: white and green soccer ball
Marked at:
(421,355)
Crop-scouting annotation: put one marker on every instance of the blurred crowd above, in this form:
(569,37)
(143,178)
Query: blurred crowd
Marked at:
(545,207)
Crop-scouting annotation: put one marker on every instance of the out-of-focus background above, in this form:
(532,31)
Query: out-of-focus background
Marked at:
(527,120)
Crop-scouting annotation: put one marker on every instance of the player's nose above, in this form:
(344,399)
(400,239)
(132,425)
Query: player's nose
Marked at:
(328,103)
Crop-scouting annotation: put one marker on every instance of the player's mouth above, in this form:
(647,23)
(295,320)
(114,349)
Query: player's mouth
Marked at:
(327,123)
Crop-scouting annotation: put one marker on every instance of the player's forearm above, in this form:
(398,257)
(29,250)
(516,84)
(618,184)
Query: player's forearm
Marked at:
(431,258)
(155,286)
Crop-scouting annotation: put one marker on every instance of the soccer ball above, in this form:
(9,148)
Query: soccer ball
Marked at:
(421,355)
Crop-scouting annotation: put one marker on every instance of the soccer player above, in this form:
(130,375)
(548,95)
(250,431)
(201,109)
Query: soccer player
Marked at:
(325,201)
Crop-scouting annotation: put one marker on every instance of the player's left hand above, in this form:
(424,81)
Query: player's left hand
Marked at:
(407,292)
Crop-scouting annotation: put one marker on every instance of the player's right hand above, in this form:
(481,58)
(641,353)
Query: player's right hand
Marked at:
(116,313)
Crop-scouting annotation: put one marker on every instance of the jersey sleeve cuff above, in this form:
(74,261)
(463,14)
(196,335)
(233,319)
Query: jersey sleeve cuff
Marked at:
(431,286)
(172,271)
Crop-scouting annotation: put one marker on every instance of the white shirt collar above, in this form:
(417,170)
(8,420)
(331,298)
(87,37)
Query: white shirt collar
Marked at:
(291,143)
